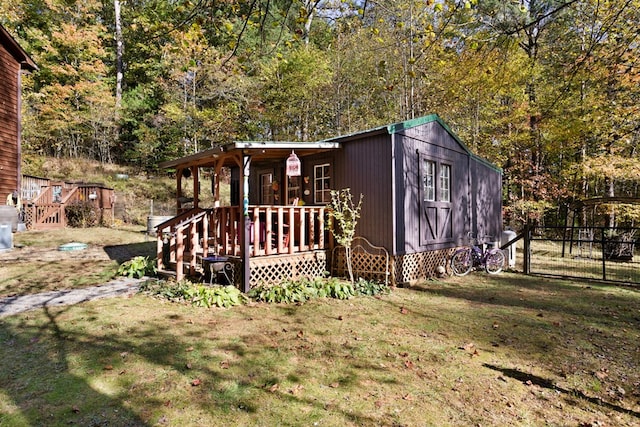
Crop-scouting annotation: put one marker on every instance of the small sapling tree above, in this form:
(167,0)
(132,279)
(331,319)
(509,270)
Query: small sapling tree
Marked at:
(344,215)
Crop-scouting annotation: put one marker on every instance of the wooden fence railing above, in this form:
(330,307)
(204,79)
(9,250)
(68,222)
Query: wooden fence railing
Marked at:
(274,230)
(47,209)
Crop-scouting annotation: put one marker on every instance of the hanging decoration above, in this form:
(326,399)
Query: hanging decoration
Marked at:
(293,165)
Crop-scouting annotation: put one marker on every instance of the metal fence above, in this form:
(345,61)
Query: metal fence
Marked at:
(594,253)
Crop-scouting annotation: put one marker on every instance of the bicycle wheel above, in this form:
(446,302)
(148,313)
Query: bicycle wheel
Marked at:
(461,262)
(494,261)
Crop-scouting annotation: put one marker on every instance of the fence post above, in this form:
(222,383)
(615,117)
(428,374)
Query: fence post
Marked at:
(604,256)
(526,263)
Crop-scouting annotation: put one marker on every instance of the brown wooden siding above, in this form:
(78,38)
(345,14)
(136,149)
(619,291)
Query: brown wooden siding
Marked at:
(365,166)
(486,191)
(9,123)
(431,142)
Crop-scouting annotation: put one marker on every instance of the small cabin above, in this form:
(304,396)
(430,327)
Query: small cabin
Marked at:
(13,60)
(423,193)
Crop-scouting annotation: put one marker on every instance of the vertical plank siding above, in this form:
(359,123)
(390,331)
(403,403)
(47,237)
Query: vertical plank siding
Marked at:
(364,166)
(9,122)
(386,168)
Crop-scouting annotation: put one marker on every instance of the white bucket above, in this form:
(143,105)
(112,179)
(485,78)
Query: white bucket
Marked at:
(510,252)
(154,220)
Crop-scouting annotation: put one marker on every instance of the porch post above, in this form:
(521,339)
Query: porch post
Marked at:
(195,172)
(246,236)
(178,190)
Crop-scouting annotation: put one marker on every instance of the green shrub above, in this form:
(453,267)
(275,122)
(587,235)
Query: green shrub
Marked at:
(216,295)
(172,291)
(286,292)
(336,288)
(304,289)
(195,294)
(81,214)
(137,267)
(370,287)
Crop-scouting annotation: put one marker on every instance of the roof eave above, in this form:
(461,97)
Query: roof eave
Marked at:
(12,46)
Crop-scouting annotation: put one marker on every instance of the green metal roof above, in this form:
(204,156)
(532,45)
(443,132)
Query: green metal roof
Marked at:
(409,124)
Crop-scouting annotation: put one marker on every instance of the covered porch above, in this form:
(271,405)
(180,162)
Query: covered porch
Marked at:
(261,242)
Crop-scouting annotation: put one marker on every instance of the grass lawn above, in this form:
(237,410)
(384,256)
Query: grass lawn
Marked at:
(36,264)
(480,350)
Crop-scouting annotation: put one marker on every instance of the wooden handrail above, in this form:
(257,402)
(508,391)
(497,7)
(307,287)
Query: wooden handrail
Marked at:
(275,230)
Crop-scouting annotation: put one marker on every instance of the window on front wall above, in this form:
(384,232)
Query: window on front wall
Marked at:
(436,181)
(445,183)
(266,189)
(429,180)
(322,189)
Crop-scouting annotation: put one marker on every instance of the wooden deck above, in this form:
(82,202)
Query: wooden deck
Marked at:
(280,231)
(47,208)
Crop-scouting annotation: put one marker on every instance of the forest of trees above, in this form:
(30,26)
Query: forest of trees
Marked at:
(548,90)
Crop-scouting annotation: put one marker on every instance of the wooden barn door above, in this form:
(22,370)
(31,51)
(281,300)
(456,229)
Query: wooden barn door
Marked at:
(436,213)
(436,224)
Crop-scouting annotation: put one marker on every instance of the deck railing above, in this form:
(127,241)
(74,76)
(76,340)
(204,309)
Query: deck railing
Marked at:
(47,210)
(274,230)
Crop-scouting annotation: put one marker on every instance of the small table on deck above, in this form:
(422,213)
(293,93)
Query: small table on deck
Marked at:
(213,266)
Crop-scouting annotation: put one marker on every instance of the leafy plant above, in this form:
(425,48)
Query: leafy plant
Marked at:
(172,291)
(286,292)
(344,215)
(196,294)
(370,287)
(335,288)
(304,289)
(137,267)
(216,295)
(81,214)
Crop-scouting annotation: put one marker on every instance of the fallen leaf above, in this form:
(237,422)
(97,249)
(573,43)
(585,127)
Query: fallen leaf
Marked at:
(601,375)
(297,389)
(469,347)
(274,388)
(196,382)
(108,368)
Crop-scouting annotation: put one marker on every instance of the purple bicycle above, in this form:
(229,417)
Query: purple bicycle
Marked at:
(477,256)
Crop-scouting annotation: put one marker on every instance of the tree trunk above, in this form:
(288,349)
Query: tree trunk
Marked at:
(119,55)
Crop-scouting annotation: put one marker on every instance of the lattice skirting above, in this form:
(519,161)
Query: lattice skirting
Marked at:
(419,266)
(365,265)
(274,269)
(403,268)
